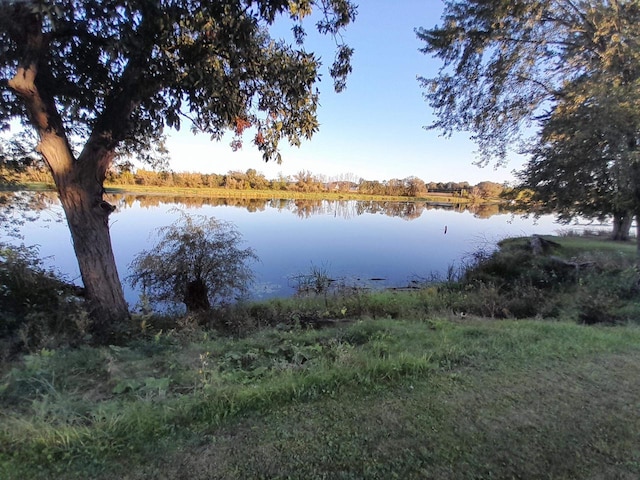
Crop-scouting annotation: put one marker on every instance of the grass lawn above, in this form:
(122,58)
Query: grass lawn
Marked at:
(437,398)
(580,245)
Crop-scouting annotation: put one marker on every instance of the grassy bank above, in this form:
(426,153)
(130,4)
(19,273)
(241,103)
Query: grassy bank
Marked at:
(453,380)
(281,194)
(369,399)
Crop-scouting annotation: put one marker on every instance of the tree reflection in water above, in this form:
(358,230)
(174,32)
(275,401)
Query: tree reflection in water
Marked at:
(359,240)
(306,208)
(18,207)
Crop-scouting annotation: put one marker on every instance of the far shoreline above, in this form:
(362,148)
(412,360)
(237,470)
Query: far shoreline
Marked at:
(441,198)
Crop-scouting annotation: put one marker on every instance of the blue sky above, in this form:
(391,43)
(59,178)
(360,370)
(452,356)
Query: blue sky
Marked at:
(373,129)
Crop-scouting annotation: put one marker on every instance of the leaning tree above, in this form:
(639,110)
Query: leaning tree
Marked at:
(510,65)
(111,75)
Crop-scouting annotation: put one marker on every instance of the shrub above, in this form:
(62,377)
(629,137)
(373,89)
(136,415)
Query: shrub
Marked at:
(608,296)
(37,307)
(198,261)
(589,285)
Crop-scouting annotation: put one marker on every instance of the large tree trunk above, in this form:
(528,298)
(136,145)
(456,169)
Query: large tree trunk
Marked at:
(81,196)
(79,184)
(622,226)
(638,239)
(87,215)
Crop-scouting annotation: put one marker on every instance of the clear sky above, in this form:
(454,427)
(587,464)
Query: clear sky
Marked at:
(373,129)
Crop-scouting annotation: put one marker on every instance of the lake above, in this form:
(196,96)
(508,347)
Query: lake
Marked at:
(360,243)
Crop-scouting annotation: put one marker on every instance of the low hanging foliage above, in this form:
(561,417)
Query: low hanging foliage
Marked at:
(569,68)
(198,261)
(38,308)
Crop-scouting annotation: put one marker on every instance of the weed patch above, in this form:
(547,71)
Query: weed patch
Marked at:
(38,308)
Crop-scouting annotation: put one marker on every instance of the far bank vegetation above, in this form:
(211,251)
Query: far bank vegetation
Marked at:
(303,181)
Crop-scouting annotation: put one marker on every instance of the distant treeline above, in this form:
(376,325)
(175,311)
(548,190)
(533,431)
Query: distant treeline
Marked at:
(39,201)
(303,181)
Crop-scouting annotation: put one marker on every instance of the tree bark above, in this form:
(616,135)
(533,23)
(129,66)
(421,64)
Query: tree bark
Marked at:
(79,184)
(638,239)
(87,213)
(196,296)
(621,226)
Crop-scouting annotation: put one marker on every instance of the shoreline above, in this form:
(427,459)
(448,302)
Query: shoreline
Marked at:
(434,198)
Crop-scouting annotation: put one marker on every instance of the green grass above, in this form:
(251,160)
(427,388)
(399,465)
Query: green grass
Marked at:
(572,246)
(414,384)
(567,422)
(370,399)
(34,186)
(579,245)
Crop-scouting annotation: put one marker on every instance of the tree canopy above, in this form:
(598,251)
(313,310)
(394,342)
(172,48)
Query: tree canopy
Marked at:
(584,163)
(113,74)
(570,68)
(506,62)
(135,67)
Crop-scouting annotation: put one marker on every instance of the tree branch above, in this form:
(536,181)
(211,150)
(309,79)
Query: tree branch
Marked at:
(113,124)
(26,84)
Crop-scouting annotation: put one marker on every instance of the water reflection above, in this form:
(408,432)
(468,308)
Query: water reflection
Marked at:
(19,207)
(305,208)
(356,240)
(31,203)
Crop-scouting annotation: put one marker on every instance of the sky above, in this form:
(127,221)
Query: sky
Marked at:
(375,128)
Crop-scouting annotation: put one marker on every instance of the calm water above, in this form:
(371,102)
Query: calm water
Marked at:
(354,241)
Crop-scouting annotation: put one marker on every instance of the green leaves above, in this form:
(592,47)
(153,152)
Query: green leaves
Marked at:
(341,67)
(504,62)
(133,68)
(583,161)
(570,68)
(197,261)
